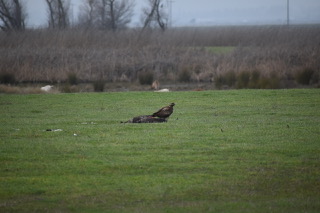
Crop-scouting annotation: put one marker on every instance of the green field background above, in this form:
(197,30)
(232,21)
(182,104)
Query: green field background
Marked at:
(220,151)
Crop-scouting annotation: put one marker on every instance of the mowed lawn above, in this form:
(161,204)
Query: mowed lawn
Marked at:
(220,151)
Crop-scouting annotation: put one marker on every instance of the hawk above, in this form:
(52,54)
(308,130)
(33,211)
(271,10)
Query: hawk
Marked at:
(164,112)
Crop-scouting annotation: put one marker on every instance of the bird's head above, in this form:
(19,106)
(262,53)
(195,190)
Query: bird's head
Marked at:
(172,104)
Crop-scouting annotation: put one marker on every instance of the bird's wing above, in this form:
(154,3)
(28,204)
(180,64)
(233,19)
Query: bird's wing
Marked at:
(165,109)
(156,112)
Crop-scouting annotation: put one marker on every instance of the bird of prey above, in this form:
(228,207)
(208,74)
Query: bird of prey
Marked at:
(164,112)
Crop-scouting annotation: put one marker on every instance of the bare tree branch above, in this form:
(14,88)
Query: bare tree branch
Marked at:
(154,13)
(87,16)
(107,14)
(12,15)
(51,14)
(58,13)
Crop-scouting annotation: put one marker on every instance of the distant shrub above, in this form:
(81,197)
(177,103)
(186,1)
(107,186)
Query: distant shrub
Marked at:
(145,78)
(7,78)
(228,79)
(269,83)
(69,89)
(243,79)
(98,86)
(219,81)
(72,79)
(274,81)
(254,80)
(247,79)
(184,75)
(305,76)
(315,78)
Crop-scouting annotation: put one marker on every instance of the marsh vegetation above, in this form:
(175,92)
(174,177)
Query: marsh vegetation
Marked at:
(224,57)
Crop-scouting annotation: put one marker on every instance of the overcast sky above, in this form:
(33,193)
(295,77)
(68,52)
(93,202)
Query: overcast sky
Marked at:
(210,12)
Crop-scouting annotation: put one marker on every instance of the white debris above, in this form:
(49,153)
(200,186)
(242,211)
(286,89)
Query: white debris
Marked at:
(163,90)
(47,88)
(88,123)
(54,130)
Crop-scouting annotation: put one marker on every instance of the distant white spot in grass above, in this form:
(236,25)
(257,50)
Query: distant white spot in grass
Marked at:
(86,123)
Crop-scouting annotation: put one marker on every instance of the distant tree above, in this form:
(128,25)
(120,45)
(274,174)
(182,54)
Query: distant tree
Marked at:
(12,15)
(154,15)
(87,15)
(58,13)
(106,14)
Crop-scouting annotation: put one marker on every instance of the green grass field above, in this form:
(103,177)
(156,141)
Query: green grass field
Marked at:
(221,151)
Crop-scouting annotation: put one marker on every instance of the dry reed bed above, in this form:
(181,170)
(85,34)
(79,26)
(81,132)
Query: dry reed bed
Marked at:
(282,54)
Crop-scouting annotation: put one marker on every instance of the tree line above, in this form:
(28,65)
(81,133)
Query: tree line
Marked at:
(110,15)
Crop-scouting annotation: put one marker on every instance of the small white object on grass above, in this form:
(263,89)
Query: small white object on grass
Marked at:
(47,88)
(163,90)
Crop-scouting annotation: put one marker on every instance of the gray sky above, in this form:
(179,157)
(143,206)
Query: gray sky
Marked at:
(211,12)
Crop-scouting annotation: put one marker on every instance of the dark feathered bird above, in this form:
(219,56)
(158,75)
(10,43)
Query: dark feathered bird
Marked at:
(164,112)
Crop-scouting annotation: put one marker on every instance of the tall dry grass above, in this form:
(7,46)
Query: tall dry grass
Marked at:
(275,52)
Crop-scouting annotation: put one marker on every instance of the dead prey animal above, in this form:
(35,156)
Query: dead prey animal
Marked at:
(145,119)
